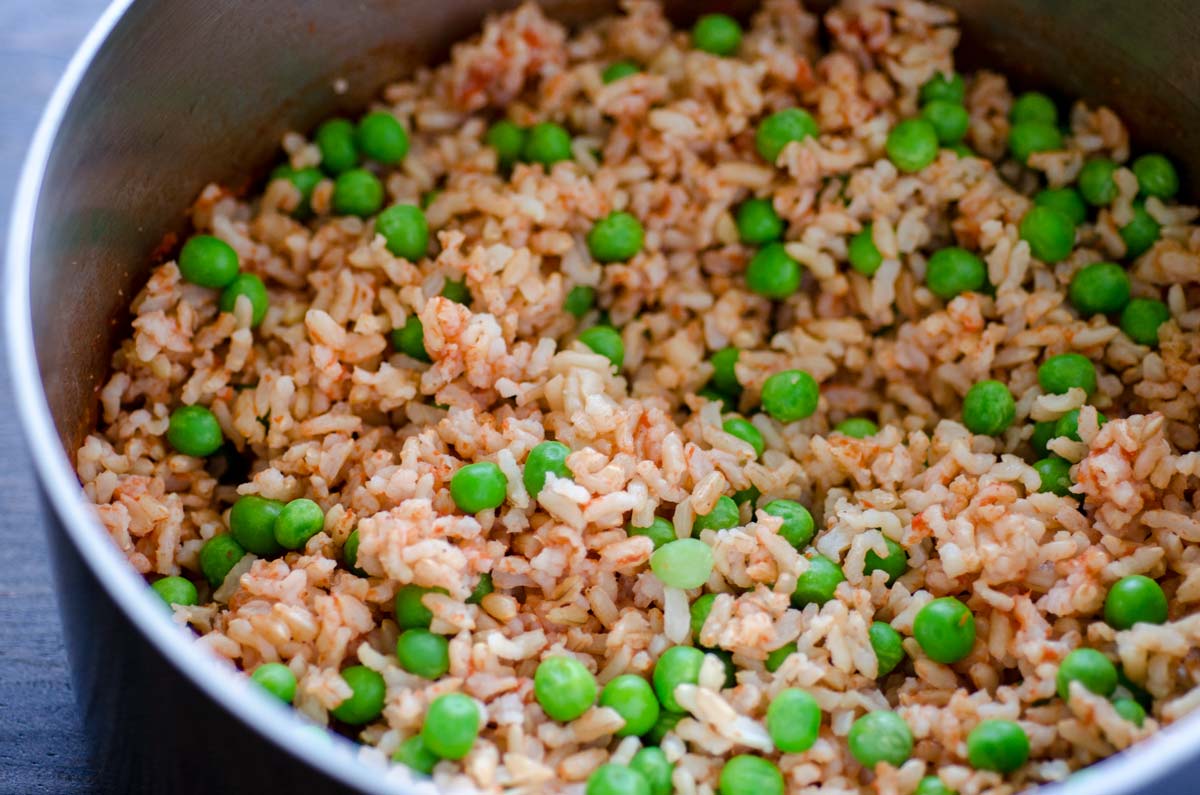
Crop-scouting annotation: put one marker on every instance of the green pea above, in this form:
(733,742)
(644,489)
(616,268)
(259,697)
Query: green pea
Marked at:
(176,590)
(478,487)
(423,653)
(943,88)
(724,515)
(277,679)
(776,658)
(357,192)
(660,531)
(750,494)
(793,721)
(773,273)
(350,554)
(409,339)
(961,150)
(547,143)
(998,745)
(758,223)
(415,754)
(365,702)
(252,287)
(818,584)
(339,152)
(564,688)
(798,526)
(750,775)
(652,763)
(954,270)
(676,666)
(726,658)
(887,645)
(666,723)
(779,129)
(1142,318)
(1088,667)
(456,290)
(724,376)
(1054,475)
(614,779)
(683,563)
(894,564)
(1135,599)
(1130,710)
(508,139)
(405,231)
(1043,432)
(618,70)
(728,404)
(297,522)
(989,408)
(1066,200)
(1101,288)
(1137,693)
(1049,233)
(745,430)
(218,556)
(790,395)
(950,120)
(194,431)
(606,341)
(411,612)
(1068,424)
(945,629)
(616,237)
(305,181)
(1027,137)
(1140,233)
(382,138)
(208,261)
(451,725)
(1033,106)
(1096,183)
(1060,373)
(912,145)
(580,299)
(1156,176)
(634,700)
(482,588)
(252,522)
(864,255)
(932,785)
(699,614)
(856,428)
(718,34)
(545,458)
(881,736)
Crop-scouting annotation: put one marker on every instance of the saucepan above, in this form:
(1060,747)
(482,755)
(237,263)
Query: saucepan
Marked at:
(164,97)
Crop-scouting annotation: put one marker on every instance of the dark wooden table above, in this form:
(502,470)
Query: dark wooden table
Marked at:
(42,748)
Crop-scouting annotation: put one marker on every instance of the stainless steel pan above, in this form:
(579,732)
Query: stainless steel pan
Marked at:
(164,97)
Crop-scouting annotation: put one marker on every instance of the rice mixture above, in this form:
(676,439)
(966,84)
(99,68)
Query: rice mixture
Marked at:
(640,410)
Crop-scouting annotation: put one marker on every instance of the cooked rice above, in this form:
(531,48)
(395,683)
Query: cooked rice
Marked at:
(322,407)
